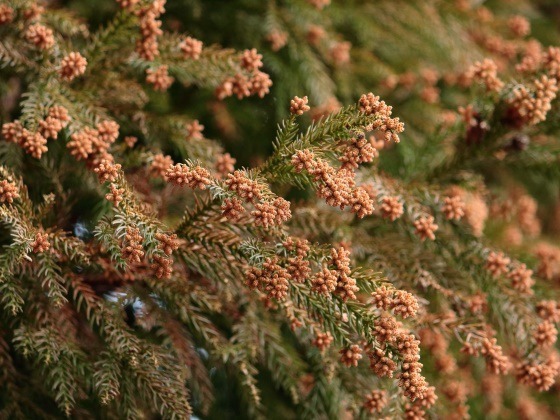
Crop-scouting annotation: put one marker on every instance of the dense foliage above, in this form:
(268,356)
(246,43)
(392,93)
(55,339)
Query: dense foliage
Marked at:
(205,211)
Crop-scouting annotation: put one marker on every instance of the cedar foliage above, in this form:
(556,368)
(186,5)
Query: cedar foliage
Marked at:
(343,267)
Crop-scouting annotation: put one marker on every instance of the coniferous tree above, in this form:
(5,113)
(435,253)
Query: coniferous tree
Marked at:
(204,212)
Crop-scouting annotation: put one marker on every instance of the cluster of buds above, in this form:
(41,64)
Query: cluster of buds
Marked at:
(298,106)
(299,269)
(162,265)
(456,391)
(425,227)
(336,278)
(429,78)
(546,334)
(345,285)
(401,302)
(194,130)
(132,250)
(271,279)
(298,246)
(251,60)
(130,141)
(322,340)
(519,26)
(191,48)
(92,144)
(340,52)
(160,164)
(159,78)
(474,206)
(269,211)
(272,213)
(538,375)
(232,208)
(385,329)
(551,62)
(278,39)
(115,194)
(250,82)
(357,150)
(410,378)
(375,401)
(246,188)
(498,45)
(530,107)
(350,356)
(40,36)
(453,208)
(496,361)
(549,260)
(548,310)
(485,72)
(33,12)
(526,215)
(521,279)
(532,58)
(497,264)
(391,208)
(391,127)
(35,144)
(388,331)
(324,282)
(150,28)
(41,242)
(225,164)
(72,66)
(8,191)
(194,177)
(380,363)
(81,143)
(107,171)
(337,187)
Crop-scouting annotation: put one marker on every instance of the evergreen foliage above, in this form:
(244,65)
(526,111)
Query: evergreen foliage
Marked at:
(203,212)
